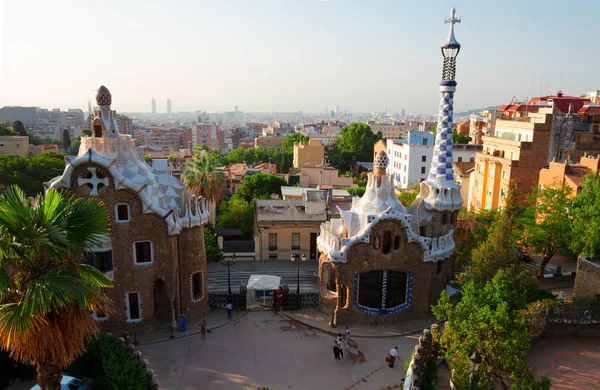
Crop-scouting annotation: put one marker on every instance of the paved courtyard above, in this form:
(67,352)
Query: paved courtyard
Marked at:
(570,364)
(263,348)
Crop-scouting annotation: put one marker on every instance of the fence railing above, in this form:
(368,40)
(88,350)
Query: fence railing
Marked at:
(576,321)
(219,299)
(306,300)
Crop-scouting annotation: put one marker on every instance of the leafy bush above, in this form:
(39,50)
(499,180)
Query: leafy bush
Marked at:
(110,365)
(356,191)
(587,301)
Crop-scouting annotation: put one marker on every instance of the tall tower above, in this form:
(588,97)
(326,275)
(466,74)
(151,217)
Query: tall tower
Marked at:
(440,191)
(153,106)
(90,112)
(169,108)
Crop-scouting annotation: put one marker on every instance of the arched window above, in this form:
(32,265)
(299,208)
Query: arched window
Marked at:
(444,217)
(397,242)
(197,286)
(387,242)
(376,242)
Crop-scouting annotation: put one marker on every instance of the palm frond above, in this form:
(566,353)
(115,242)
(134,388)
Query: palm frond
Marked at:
(92,276)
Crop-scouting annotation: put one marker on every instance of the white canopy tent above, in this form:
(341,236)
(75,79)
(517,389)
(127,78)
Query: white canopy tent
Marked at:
(263,283)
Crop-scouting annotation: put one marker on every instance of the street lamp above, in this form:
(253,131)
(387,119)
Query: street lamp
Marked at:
(229,262)
(294,257)
(474,367)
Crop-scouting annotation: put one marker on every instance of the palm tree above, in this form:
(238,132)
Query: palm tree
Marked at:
(46,294)
(200,177)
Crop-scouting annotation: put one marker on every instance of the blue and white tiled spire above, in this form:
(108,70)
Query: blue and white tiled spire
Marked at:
(440,189)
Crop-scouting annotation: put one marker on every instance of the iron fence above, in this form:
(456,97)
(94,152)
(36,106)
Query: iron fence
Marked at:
(306,299)
(219,299)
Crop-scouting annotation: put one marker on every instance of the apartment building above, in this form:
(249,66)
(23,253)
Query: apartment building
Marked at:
(560,173)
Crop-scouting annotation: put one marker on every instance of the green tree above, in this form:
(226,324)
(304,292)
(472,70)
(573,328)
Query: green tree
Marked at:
(30,173)
(356,191)
(472,228)
(498,251)
(200,177)
(211,245)
(19,128)
(487,319)
(66,141)
(460,138)
(287,145)
(355,143)
(586,218)
(408,196)
(260,186)
(86,132)
(46,294)
(547,222)
(237,213)
(6,131)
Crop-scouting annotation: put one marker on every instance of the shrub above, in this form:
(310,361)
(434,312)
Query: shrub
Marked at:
(110,365)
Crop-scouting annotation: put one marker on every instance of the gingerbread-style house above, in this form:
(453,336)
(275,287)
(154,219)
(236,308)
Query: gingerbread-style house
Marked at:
(383,262)
(155,251)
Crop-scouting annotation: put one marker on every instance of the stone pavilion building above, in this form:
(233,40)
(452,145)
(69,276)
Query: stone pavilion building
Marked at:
(381,261)
(155,252)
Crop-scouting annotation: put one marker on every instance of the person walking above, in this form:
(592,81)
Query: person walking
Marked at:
(275,295)
(336,351)
(340,344)
(229,308)
(393,356)
(347,333)
(203,330)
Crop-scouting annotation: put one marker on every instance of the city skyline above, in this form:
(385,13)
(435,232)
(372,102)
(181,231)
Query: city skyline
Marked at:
(361,57)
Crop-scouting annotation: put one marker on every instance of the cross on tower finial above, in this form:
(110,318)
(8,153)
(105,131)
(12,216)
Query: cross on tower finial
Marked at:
(452,20)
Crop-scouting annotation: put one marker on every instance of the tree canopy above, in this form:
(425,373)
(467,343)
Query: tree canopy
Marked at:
(547,221)
(460,138)
(487,319)
(87,132)
(19,128)
(237,213)
(6,131)
(211,246)
(287,145)
(200,177)
(29,173)
(260,186)
(355,143)
(66,141)
(586,218)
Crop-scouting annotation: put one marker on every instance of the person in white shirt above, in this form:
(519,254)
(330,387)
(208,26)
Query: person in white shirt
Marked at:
(393,355)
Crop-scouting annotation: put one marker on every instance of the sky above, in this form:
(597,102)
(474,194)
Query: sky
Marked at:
(290,55)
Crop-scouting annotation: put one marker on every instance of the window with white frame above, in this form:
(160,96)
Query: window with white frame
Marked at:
(100,314)
(134,307)
(122,212)
(197,286)
(143,252)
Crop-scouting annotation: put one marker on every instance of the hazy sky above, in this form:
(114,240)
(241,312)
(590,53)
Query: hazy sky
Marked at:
(276,55)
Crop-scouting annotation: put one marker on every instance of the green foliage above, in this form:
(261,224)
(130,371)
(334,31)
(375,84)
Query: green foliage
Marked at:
(200,148)
(66,141)
(487,319)
(472,228)
(294,180)
(587,301)
(360,179)
(287,145)
(86,132)
(460,138)
(260,154)
(408,196)
(213,252)
(19,128)
(30,173)
(200,177)
(7,131)
(547,222)
(356,191)
(355,143)
(110,365)
(260,186)
(237,213)
(585,239)
(148,158)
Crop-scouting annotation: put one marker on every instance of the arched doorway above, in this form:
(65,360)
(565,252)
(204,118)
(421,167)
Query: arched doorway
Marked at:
(162,311)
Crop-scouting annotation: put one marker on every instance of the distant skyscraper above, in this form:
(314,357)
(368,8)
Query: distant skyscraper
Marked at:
(153,106)
(403,112)
(90,112)
(337,108)
(236,108)
(169,108)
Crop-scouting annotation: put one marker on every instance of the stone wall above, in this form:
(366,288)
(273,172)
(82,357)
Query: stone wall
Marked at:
(427,284)
(427,349)
(155,282)
(587,278)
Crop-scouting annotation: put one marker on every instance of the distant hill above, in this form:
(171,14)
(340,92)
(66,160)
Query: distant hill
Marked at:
(474,111)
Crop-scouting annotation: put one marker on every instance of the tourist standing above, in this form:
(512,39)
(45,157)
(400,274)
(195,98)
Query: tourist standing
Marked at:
(393,356)
(203,330)
(340,344)
(280,299)
(229,308)
(347,333)
(275,295)
(336,351)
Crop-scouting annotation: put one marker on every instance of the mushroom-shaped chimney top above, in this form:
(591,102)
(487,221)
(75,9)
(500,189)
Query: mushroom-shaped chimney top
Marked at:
(380,163)
(103,97)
